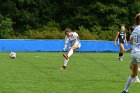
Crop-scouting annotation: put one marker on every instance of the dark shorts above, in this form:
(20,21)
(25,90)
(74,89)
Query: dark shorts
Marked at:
(121,42)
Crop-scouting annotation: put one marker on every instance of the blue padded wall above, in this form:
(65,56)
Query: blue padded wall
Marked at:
(31,45)
(100,46)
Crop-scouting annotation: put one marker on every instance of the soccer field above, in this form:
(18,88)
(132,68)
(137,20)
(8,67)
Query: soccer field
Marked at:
(36,72)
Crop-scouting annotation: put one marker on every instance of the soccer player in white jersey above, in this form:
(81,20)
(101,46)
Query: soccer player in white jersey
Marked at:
(136,80)
(73,38)
(135,53)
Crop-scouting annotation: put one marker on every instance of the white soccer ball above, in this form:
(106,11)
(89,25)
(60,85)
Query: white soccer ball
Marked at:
(12,55)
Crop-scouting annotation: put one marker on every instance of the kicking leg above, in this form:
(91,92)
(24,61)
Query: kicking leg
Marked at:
(66,57)
(70,52)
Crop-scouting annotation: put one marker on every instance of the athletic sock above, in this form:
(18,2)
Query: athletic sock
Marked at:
(129,81)
(70,52)
(65,62)
(120,55)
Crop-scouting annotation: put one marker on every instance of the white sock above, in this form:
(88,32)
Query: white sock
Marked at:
(70,52)
(137,78)
(128,83)
(65,62)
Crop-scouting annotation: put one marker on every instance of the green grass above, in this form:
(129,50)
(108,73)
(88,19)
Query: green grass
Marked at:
(37,72)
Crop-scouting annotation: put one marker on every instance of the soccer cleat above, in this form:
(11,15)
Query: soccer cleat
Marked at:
(137,81)
(65,56)
(120,59)
(124,92)
(63,68)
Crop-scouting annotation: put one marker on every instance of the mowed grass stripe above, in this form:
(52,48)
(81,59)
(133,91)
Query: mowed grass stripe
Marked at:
(38,72)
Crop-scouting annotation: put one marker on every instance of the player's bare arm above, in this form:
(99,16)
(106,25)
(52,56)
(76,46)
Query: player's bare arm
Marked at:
(116,38)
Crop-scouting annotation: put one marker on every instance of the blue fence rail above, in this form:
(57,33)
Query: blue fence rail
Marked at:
(31,45)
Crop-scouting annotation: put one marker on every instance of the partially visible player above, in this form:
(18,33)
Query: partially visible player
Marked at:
(131,28)
(135,53)
(121,37)
(137,80)
(73,38)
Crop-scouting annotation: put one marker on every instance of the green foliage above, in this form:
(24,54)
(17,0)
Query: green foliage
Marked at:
(6,29)
(45,34)
(85,34)
(52,16)
(51,31)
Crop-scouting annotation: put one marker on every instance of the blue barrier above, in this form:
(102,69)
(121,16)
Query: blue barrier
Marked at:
(31,45)
(100,46)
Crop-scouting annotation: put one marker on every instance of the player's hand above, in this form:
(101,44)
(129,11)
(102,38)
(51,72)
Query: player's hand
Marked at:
(125,50)
(114,44)
(64,49)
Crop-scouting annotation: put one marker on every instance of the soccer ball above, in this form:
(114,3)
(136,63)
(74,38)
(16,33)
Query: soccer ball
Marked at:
(12,55)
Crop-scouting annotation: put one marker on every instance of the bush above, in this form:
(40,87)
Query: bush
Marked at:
(51,31)
(85,34)
(6,30)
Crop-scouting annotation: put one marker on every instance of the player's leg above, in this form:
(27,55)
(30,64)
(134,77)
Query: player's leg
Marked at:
(130,78)
(65,64)
(70,52)
(66,58)
(137,80)
(121,51)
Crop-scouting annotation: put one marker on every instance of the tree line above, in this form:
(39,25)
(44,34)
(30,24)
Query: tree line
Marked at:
(46,19)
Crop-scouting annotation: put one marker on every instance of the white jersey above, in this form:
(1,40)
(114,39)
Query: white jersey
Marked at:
(73,39)
(136,40)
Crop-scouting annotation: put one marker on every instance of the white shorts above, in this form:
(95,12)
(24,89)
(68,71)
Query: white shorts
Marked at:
(135,58)
(77,44)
